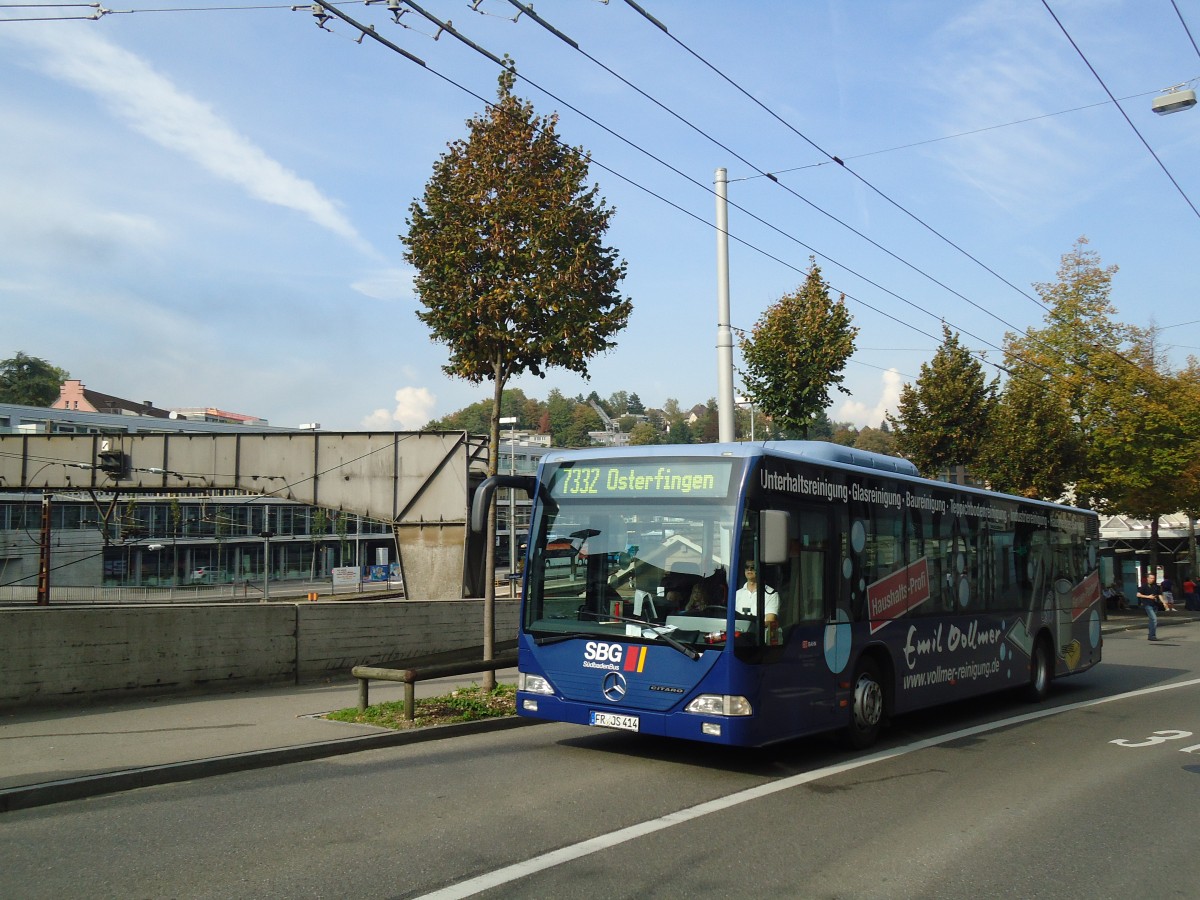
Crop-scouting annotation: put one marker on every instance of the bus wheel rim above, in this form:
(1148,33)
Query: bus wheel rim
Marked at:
(868,702)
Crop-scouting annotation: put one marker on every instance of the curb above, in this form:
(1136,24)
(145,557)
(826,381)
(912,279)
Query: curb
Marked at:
(49,792)
(1142,624)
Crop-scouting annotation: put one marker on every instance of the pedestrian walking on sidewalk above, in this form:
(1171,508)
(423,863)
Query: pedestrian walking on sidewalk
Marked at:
(1168,594)
(1148,596)
(1189,595)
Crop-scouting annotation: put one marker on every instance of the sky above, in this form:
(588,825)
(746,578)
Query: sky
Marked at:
(201,207)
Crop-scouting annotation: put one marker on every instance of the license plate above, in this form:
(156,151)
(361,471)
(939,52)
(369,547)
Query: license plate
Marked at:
(615,720)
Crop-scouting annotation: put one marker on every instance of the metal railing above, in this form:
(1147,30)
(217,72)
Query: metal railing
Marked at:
(14,594)
(410,677)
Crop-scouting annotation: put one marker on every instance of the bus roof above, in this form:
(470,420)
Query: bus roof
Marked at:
(818,452)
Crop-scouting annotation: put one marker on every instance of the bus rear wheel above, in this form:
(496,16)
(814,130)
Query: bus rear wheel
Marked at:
(868,706)
(1041,672)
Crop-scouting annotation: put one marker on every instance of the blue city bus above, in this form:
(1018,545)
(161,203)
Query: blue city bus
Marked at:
(875,591)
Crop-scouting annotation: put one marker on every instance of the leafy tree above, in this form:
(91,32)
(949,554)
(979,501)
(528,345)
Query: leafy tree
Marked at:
(643,434)
(30,381)
(1145,438)
(584,419)
(476,418)
(707,427)
(845,434)
(625,424)
(511,270)
(680,432)
(1033,448)
(506,241)
(1075,355)
(561,415)
(877,440)
(1188,480)
(944,418)
(796,352)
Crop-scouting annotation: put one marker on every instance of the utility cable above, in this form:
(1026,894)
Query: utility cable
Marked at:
(370,32)
(826,153)
(763,173)
(450,30)
(529,11)
(958,134)
(1124,115)
(1187,30)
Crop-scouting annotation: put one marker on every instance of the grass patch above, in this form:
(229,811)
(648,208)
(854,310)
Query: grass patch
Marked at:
(462,705)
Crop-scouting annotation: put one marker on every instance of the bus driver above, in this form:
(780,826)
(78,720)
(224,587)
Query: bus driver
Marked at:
(747,598)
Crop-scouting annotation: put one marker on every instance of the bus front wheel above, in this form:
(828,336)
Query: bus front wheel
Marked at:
(1041,671)
(868,707)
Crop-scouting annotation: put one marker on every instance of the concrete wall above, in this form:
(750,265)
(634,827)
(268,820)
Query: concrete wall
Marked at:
(54,655)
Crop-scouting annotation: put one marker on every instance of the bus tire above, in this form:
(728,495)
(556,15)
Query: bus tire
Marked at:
(1041,672)
(868,706)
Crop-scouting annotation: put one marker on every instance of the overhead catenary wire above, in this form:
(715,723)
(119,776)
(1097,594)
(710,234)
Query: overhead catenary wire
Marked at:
(658,24)
(703,221)
(1016,329)
(1124,115)
(368,31)
(831,157)
(957,134)
(1184,23)
(710,190)
(762,172)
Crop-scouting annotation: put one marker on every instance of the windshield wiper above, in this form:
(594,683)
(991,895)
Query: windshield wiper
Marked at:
(560,637)
(659,630)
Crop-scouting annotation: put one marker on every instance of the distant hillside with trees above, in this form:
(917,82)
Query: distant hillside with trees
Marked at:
(570,421)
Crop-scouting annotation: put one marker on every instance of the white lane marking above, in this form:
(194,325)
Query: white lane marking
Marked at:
(489,880)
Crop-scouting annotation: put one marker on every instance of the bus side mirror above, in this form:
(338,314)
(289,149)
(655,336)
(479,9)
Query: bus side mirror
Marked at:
(482,500)
(773,536)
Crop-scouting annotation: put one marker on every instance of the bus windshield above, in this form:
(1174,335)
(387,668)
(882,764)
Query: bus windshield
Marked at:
(628,550)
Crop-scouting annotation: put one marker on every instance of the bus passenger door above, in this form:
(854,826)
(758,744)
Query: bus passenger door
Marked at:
(798,684)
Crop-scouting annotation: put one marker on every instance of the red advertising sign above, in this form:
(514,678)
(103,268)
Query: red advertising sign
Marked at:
(893,596)
(1084,595)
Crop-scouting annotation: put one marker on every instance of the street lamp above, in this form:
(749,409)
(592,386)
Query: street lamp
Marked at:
(155,548)
(748,402)
(266,536)
(511,422)
(1174,99)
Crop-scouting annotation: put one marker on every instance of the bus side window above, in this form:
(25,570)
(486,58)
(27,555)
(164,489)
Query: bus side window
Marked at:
(809,566)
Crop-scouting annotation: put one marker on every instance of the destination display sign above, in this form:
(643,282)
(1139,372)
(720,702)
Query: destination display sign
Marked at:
(651,478)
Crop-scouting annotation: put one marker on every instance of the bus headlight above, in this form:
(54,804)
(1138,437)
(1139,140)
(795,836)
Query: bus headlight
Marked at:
(720,705)
(533,684)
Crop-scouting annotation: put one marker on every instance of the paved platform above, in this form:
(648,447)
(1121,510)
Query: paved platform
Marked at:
(51,755)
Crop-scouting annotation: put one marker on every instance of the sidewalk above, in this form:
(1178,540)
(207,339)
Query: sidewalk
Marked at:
(52,755)
(65,753)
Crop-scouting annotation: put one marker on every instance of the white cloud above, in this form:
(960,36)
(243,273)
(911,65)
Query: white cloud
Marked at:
(987,64)
(151,104)
(861,415)
(386,284)
(414,407)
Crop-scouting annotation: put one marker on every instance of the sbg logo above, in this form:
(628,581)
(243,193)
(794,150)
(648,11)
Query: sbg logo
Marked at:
(595,651)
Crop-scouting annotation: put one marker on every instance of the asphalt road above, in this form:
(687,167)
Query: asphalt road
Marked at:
(1093,793)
